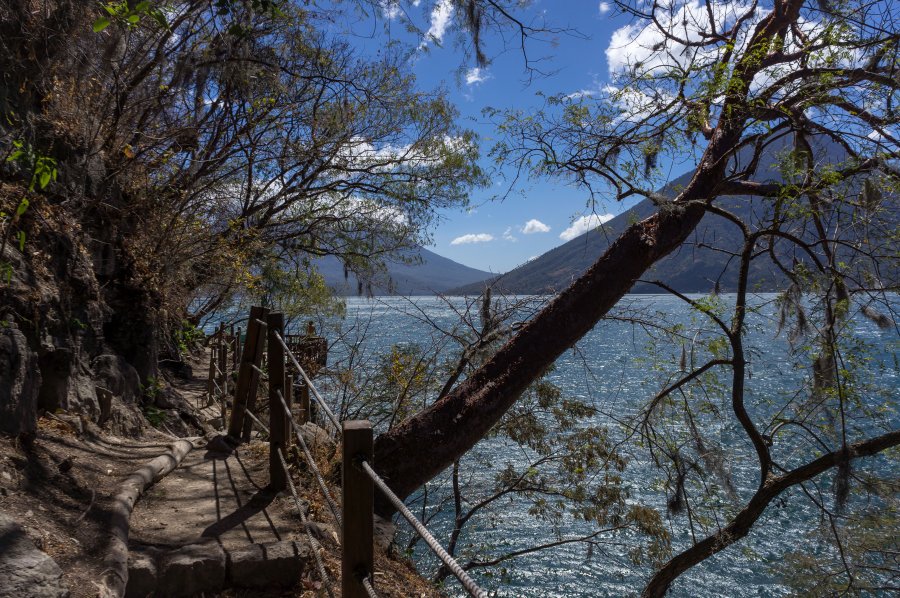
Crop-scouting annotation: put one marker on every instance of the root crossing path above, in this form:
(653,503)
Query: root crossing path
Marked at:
(212,524)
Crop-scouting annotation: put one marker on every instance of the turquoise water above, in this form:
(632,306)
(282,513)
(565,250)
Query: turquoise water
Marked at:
(612,370)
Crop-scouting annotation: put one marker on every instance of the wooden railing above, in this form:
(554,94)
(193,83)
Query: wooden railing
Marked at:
(291,362)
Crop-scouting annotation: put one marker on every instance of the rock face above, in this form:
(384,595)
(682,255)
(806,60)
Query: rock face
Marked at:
(119,384)
(20,382)
(57,352)
(25,570)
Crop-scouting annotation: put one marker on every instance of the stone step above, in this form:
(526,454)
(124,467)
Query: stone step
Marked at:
(207,567)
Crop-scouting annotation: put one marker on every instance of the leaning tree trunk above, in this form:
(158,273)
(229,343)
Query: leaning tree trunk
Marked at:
(419,448)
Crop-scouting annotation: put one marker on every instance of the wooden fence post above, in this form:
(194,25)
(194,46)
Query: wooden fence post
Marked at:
(248,377)
(210,383)
(302,402)
(359,494)
(279,422)
(236,355)
(223,361)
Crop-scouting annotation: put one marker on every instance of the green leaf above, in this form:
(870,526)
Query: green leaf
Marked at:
(158,16)
(100,24)
(23,205)
(44,179)
(133,19)
(142,6)
(21,240)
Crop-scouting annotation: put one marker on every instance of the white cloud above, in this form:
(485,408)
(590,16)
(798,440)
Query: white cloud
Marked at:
(535,226)
(508,236)
(649,47)
(583,225)
(604,7)
(472,238)
(476,75)
(390,9)
(440,19)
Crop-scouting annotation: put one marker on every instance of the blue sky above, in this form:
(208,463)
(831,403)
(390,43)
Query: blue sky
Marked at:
(499,235)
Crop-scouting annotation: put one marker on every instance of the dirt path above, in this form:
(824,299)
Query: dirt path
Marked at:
(215,496)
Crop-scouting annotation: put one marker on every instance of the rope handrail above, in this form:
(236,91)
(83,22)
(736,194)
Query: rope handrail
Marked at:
(262,374)
(367,585)
(364,580)
(317,474)
(463,577)
(259,423)
(316,547)
(313,390)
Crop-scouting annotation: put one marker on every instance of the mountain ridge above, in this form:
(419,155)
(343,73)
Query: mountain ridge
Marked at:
(427,273)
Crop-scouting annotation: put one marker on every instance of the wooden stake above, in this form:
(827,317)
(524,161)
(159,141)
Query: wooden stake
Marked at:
(223,361)
(248,378)
(279,422)
(210,383)
(302,402)
(359,494)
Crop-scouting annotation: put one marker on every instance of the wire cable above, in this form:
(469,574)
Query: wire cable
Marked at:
(332,505)
(316,547)
(463,577)
(367,585)
(312,388)
(262,374)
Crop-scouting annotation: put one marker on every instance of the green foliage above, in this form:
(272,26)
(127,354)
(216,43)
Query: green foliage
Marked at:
(151,390)
(129,16)
(186,336)
(154,415)
(42,167)
(292,287)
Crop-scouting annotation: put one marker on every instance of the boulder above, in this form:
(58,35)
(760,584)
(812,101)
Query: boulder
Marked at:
(66,382)
(114,373)
(20,382)
(317,439)
(25,570)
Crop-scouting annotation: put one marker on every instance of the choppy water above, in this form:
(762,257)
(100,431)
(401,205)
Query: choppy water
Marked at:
(612,370)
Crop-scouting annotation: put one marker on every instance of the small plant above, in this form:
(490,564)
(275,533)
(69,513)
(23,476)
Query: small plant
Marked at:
(186,337)
(154,415)
(152,389)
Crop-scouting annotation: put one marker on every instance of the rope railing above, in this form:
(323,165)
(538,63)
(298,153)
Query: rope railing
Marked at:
(316,547)
(261,425)
(320,480)
(367,585)
(262,374)
(355,517)
(463,577)
(312,387)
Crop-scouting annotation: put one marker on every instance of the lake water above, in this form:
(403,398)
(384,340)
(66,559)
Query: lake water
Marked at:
(612,370)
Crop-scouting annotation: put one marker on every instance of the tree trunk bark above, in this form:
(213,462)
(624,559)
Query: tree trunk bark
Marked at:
(419,448)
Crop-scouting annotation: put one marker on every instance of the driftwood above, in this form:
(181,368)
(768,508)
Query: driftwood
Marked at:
(115,577)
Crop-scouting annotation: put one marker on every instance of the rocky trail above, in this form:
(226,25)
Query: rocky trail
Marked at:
(190,515)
